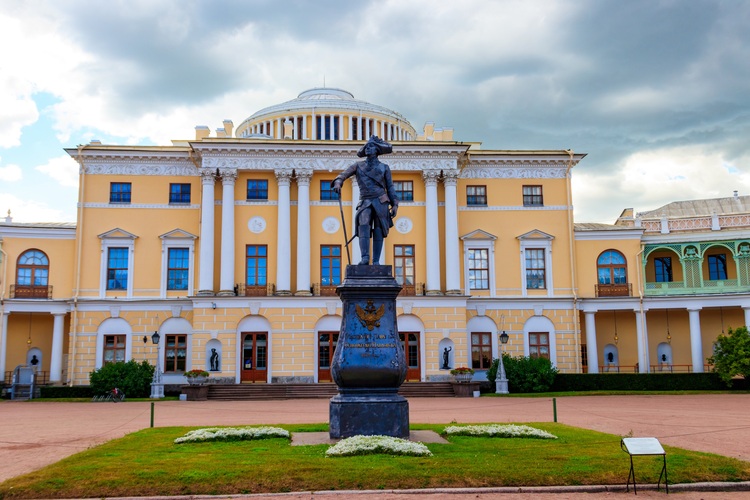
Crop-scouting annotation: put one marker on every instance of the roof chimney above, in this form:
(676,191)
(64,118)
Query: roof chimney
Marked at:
(228,127)
(736,194)
(201,132)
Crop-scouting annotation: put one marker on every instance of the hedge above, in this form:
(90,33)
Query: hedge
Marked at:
(66,391)
(579,382)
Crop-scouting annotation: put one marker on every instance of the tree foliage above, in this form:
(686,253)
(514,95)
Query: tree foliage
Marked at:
(732,355)
(133,378)
(525,374)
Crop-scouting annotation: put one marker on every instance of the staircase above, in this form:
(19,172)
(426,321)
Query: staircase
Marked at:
(220,392)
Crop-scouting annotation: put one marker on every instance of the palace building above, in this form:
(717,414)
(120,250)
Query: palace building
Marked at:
(233,244)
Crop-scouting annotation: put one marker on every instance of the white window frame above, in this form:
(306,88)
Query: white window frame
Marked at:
(177,239)
(116,238)
(480,240)
(537,240)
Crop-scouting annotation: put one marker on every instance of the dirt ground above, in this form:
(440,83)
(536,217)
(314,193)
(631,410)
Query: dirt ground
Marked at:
(35,434)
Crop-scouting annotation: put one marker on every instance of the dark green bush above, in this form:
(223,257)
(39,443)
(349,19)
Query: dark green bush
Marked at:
(66,391)
(525,374)
(567,382)
(133,378)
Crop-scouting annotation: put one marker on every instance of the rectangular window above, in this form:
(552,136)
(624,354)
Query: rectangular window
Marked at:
(326,191)
(481,350)
(256,258)
(257,189)
(179,193)
(178,265)
(479,269)
(532,196)
(117,268)
(476,195)
(663,269)
(330,265)
(403,264)
(539,345)
(114,349)
(404,190)
(119,192)
(175,353)
(535,268)
(717,267)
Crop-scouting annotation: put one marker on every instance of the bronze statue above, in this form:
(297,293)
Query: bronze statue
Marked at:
(378,203)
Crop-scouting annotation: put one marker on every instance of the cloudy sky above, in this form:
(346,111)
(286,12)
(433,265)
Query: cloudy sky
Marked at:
(657,93)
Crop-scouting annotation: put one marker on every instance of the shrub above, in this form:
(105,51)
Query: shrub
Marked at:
(732,355)
(133,378)
(570,382)
(66,391)
(525,374)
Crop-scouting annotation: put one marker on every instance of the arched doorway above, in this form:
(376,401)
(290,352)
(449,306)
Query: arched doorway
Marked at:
(255,349)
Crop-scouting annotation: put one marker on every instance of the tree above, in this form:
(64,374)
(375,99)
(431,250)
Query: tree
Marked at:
(732,355)
(525,374)
(133,378)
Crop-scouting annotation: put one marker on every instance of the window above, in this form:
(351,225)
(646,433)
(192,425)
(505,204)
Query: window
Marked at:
(481,350)
(256,258)
(178,267)
(117,268)
(119,192)
(539,345)
(175,353)
(33,269)
(326,191)
(663,269)
(330,265)
(403,264)
(179,193)
(535,268)
(717,267)
(532,196)
(476,195)
(611,268)
(257,189)
(114,348)
(404,190)
(479,269)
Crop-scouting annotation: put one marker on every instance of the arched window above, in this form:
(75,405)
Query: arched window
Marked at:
(32,274)
(611,268)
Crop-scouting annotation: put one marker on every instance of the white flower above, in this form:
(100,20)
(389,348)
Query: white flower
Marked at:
(367,445)
(231,434)
(496,430)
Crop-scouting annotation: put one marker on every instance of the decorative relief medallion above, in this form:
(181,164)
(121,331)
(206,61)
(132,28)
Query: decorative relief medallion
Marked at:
(331,225)
(257,224)
(404,225)
(369,316)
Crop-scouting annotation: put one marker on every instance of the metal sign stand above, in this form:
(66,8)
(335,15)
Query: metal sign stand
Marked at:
(644,446)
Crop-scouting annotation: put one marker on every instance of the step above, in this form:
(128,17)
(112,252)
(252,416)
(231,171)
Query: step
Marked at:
(310,391)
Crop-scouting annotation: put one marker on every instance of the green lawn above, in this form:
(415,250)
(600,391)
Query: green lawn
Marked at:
(148,463)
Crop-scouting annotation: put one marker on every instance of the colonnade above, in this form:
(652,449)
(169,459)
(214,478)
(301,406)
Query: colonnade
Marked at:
(284,178)
(56,351)
(357,127)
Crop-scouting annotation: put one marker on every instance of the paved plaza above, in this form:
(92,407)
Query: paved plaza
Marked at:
(35,434)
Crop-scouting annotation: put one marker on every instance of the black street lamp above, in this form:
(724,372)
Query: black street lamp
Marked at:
(501,382)
(157,386)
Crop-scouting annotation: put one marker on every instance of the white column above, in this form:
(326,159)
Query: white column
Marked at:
(696,340)
(228,179)
(452,256)
(592,350)
(314,126)
(56,356)
(3,342)
(304,126)
(367,129)
(747,316)
(432,260)
(206,275)
(350,119)
(642,342)
(361,128)
(284,251)
(303,231)
(356,254)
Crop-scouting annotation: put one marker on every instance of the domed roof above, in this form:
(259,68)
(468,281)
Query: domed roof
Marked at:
(328,99)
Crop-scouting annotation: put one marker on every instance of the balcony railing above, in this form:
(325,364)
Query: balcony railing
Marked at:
(244,290)
(614,290)
(30,292)
(709,287)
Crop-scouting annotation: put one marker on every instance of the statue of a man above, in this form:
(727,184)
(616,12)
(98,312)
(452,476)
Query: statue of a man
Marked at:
(378,203)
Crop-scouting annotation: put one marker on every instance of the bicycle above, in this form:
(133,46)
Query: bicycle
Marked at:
(116,395)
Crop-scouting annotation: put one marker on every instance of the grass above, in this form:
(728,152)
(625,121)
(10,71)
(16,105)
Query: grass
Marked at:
(147,462)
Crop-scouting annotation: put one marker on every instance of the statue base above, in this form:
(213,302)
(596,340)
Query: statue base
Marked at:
(369,413)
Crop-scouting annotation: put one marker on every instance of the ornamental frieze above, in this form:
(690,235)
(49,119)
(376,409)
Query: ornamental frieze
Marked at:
(514,172)
(127,168)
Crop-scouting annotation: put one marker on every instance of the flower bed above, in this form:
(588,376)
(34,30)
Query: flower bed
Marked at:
(232,434)
(370,445)
(496,430)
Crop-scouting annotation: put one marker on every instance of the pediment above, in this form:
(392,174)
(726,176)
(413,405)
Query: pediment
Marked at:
(178,233)
(478,234)
(536,235)
(117,233)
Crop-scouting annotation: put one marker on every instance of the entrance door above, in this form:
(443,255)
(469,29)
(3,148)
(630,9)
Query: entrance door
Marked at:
(254,357)
(326,347)
(411,350)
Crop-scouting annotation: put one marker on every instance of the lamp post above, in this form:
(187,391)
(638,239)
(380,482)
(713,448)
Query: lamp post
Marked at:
(157,386)
(501,382)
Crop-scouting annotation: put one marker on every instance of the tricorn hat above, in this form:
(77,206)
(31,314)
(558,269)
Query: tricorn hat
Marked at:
(383,147)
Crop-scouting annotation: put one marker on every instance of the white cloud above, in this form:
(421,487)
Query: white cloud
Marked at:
(10,173)
(63,169)
(26,210)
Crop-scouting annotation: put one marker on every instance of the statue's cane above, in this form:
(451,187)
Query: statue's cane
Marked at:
(346,237)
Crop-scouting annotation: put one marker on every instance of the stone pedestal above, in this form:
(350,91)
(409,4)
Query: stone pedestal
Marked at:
(465,389)
(369,364)
(195,392)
